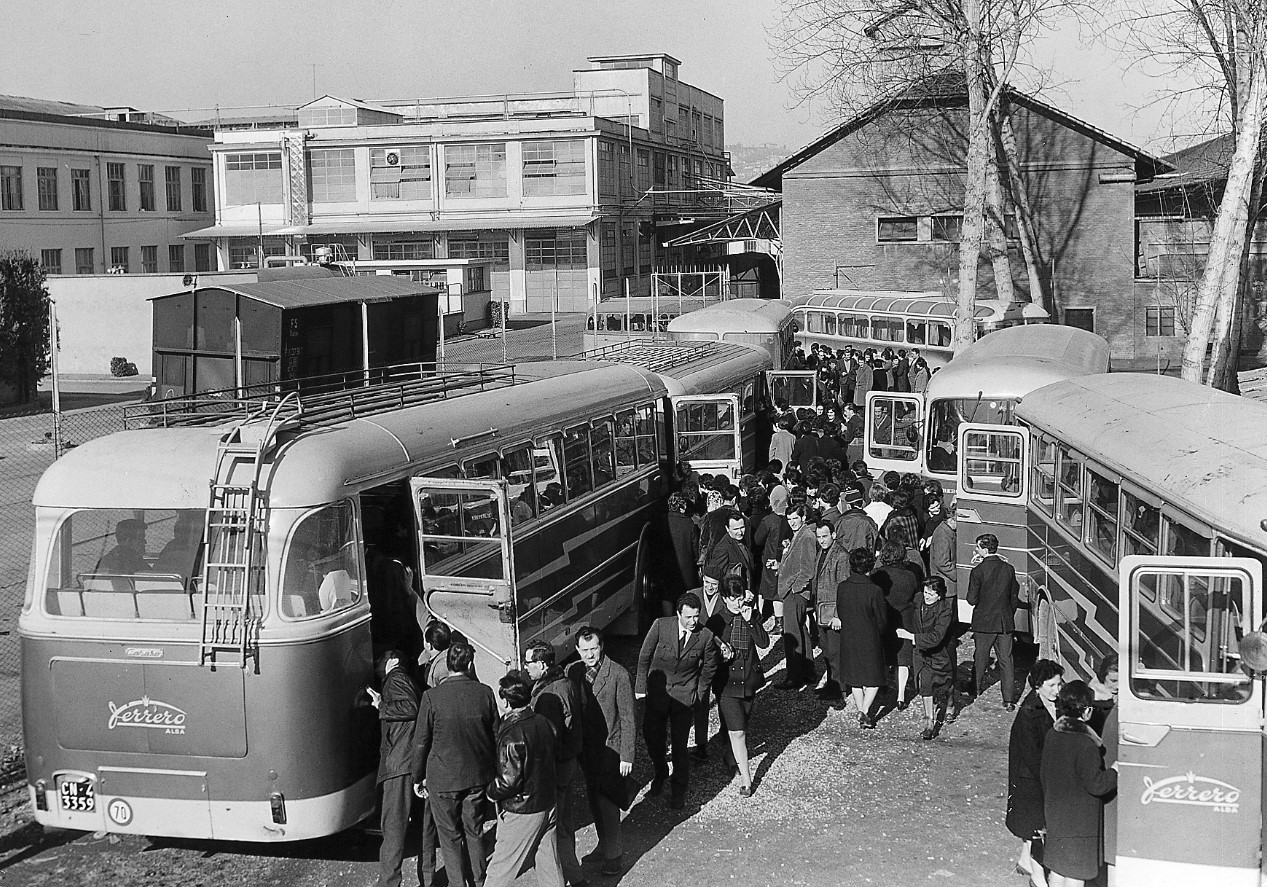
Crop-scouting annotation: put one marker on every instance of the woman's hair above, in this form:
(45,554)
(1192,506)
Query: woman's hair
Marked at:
(1106,665)
(937,584)
(1075,698)
(891,552)
(1043,671)
(879,492)
(732,587)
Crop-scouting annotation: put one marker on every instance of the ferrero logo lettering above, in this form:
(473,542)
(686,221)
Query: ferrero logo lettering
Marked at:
(149,714)
(1192,790)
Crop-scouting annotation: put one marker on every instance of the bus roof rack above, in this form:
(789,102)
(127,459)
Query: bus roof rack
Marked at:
(324,400)
(655,355)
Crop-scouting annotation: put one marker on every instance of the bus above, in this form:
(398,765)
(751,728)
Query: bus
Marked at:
(206,598)
(614,321)
(1145,499)
(916,321)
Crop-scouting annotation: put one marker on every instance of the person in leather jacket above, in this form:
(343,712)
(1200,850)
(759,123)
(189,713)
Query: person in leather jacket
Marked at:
(524,789)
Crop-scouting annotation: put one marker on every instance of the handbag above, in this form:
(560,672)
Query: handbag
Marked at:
(824,613)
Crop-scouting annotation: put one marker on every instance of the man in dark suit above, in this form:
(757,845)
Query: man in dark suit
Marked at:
(994,595)
(731,555)
(608,719)
(676,664)
(397,708)
(453,761)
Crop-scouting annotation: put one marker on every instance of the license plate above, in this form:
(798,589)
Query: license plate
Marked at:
(77,795)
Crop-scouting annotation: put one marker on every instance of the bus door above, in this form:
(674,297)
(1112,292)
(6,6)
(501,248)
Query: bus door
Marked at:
(892,432)
(993,489)
(796,388)
(467,564)
(707,434)
(1190,722)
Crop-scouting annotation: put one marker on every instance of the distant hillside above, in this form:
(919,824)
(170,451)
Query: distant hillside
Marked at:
(750,161)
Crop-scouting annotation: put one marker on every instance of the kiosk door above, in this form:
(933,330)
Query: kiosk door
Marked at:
(468,570)
(1190,723)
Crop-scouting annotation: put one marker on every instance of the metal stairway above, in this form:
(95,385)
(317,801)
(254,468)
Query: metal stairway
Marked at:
(234,530)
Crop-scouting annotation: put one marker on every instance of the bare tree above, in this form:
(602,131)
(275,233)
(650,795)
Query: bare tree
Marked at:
(856,54)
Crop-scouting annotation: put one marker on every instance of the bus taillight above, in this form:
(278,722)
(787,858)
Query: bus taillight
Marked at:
(41,795)
(277,801)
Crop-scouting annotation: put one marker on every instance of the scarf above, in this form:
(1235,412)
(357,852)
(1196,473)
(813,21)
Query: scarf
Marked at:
(738,635)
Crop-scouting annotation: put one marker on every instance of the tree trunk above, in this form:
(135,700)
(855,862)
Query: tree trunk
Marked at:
(996,235)
(975,181)
(1025,224)
(1225,354)
(1220,283)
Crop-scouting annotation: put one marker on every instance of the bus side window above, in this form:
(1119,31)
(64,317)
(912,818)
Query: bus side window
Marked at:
(992,462)
(1043,474)
(546,459)
(323,569)
(1141,526)
(517,464)
(747,398)
(646,436)
(815,321)
(481,468)
(1179,541)
(601,452)
(915,332)
(829,324)
(1101,523)
(896,434)
(939,334)
(615,323)
(1069,492)
(626,443)
(577,472)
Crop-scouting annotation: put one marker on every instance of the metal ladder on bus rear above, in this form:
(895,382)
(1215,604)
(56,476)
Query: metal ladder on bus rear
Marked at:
(234,528)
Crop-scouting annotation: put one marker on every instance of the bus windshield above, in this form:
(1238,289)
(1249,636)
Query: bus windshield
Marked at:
(946,415)
(114,563)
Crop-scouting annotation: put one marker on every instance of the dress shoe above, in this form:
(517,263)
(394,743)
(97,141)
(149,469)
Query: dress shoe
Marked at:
(657,786)
(1009,706)
(745,791)
(612,866)
(778,625)
(928,733)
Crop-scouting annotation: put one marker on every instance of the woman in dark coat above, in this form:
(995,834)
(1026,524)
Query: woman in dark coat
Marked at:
(862,619)
(681,573)
(900,586)
(1075,784)
(932,621)
(1034,719)
(738,630)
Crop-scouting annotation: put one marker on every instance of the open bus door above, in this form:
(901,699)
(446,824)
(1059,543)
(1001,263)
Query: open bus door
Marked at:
(707,433)
(467,563)
(993,490)
(893,427)
(1190,722)
(797,388)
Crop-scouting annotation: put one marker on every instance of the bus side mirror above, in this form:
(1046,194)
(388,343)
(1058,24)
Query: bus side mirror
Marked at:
(1253,651)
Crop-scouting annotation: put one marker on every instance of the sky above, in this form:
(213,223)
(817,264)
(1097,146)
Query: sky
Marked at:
(189,58)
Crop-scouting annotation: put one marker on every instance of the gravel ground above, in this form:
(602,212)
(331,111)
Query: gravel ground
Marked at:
(834,805)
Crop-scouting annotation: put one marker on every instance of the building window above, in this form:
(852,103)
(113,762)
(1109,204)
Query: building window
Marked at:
(557,250)
(1159,321)
(171,176)
(1082,318)
(475,170)
(661,165)
(628,249)
(202,257)
(10,187)
(607,183)
(116,187)
(244,252)
(149,260)
(332,176)
(708,131)
(494,245)
(46,187)
(81,191)
(947,229)
(340,116)
(145,178)
(85,263)
(253,178)
(897,229)
(404,250)
(176,257)
(400,173)
(198,182)
(119,259)
(553,169)
(51,259)
(607,252)
(657,114)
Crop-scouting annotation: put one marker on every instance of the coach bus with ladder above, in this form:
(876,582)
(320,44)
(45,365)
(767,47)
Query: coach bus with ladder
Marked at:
(206,597)
(1146,503)
(922,321)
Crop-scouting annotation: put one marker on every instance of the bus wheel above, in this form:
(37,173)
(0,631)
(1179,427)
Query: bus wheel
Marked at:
(637,619)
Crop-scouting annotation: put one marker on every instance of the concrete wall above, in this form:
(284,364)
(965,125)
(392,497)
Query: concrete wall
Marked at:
(108,315)
(911,163)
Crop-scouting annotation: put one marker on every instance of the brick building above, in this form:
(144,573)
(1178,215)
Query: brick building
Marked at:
(876,203)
